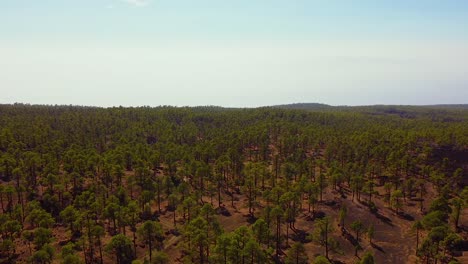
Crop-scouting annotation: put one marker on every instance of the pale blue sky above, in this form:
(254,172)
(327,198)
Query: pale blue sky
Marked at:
(233,53)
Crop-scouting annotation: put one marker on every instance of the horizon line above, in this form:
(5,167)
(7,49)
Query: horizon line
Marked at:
(235,107)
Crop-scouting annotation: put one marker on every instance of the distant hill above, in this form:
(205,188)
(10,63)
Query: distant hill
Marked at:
(319,106)
(449,106)
(441,112)
(304,106)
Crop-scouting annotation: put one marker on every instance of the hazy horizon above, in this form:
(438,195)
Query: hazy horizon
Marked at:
(243,54)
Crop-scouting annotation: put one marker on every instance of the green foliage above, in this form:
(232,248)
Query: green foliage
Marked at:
(371,232)
(441,204)
(7,247)
(367,258)
(72,259)
(121,247)
(40,257)
(261,231)
(69,215)
(321,260)
(433,219)
(69,254)
(160,257)
(223,249)
(197,238)
(395,200)
(453,242)
(43,255)
(296,254)
(10,228)
(322,234)
(253,252)
(342,215)
(457,204)
(42,236)
(151,233)
(358,227)
(240,237)
(39,217)
(68,249)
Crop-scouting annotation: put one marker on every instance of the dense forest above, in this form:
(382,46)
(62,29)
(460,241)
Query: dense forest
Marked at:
(288,184)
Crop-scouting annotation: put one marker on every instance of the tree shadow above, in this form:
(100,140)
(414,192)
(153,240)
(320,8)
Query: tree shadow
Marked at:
(223,211)
(379,248)
(315,215)
(337,261)
(331,203)
(277,259)
(348,236)
(300,236)
(61,243)
(174,232)
(405,216)
(169,208)
(383,218)
(251,219)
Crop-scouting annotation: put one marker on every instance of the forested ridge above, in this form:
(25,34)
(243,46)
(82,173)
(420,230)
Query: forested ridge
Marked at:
(318,184)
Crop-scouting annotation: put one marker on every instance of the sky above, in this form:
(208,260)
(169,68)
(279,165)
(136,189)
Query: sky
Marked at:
(236,53)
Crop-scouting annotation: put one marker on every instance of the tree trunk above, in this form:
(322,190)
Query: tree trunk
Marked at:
(1,202)
(225,256)
(159,196)
(278,235)
(326,241)
(100,250)
(457,216)
(150,247)
(134,242)
(219,195)
(417,240)
(201,254)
